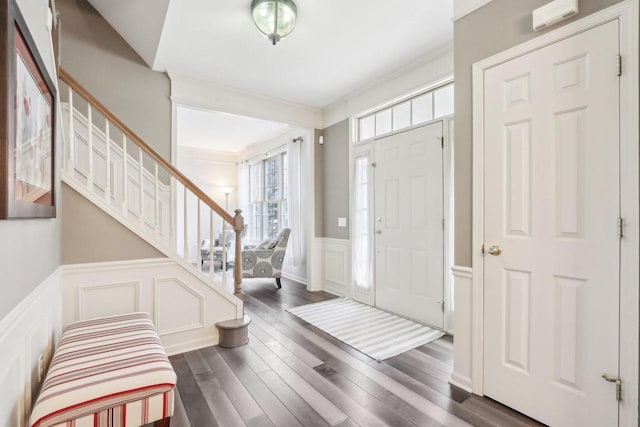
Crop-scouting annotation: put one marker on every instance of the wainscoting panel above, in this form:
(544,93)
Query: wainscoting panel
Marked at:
(174,296)
(336,266)
(91,299)
(184,306)
(462,279)
(31,329)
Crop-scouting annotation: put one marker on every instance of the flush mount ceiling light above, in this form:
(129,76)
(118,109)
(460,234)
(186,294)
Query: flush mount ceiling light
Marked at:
(274,18)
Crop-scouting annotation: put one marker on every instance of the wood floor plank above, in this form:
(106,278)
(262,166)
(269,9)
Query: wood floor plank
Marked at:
(327,410)
(432,382)
(334,394)
(294,347)
(269,402)
(367,401)
(234,389)
(179,418)
(194,402)
(429,364)
(196,362)
(218,401)
(295,403)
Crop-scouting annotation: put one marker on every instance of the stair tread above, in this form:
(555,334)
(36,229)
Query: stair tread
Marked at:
(234,323)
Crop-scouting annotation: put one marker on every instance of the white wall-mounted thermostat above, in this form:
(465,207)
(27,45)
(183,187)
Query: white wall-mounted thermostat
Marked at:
(554,12)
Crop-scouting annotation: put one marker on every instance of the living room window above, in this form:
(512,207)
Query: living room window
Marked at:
(269,211)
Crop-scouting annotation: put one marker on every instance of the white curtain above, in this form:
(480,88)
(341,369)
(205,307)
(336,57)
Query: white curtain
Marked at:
(243,193)
(361,234)
(294,202)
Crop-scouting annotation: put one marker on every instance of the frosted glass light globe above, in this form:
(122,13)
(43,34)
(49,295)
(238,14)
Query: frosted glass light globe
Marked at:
(274,18)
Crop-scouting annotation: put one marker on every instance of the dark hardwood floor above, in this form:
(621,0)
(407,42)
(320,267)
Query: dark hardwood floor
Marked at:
(293,374)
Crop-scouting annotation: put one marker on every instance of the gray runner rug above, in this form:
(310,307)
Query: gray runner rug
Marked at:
(376,333)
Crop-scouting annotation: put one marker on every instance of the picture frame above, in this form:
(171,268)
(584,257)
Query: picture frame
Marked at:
(27,122)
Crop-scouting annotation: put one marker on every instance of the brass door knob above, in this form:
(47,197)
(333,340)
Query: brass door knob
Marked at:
(378,231)
(494,250)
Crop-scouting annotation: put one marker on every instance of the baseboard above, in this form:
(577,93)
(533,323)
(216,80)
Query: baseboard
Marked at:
(462,382)
(295,278)
(31,329)
(187,346)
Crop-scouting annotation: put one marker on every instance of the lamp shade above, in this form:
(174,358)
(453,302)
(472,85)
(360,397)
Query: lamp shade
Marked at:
(274,18)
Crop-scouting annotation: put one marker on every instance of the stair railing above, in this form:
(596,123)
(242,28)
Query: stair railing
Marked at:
(118,171)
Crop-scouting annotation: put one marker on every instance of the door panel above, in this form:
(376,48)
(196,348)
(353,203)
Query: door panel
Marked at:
(409,213)
(551,204)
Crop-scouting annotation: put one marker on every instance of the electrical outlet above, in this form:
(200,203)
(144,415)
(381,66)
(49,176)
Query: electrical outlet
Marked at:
(40,367)
(342,222)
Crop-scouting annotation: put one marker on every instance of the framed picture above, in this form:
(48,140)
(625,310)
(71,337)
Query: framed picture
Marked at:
(27,123)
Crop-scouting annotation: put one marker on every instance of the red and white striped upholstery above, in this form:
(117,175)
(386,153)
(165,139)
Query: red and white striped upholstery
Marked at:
(110,372)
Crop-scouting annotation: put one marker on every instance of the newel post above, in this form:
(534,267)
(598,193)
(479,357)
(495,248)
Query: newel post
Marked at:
(238,226)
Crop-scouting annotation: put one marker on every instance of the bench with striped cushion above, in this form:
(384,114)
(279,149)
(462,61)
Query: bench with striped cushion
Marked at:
(111,371)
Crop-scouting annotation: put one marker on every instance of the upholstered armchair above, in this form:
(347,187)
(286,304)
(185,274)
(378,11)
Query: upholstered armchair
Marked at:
(266,259)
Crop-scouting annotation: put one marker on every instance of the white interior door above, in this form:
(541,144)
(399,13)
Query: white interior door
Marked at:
(552,198)
(409,260)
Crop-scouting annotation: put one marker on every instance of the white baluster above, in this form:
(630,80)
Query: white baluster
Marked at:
(72,136)
(198,236)
(157,201)
(90,139)
(125,178)
(107,149)
(141,185)
(172,223)
(224,251)
(211,255)
(186,228)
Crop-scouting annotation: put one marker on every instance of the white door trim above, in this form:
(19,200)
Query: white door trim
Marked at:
(627,14)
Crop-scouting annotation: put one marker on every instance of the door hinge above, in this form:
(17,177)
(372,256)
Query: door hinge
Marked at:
(441,302)
(482,249)
(618,383)
(618,65)
(620,227)
(441,138)
(442,224)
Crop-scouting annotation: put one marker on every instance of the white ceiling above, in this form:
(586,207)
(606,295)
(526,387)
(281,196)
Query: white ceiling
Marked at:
(213,130)
(337,47)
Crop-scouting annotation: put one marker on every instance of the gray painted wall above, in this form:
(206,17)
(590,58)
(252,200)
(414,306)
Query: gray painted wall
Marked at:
(499,25)
(101,61)
(91,235)
(334,163)
(29,248)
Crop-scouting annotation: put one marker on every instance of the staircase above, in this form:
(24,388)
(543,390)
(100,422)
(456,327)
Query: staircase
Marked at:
(107,163)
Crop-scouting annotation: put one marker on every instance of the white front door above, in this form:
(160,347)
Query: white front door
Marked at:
(552,198)
(408,224)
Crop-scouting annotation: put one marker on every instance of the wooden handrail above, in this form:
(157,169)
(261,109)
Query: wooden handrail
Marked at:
(65,77)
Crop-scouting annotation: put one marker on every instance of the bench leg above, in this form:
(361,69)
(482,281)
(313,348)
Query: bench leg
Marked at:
(278,283)
(163,422)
